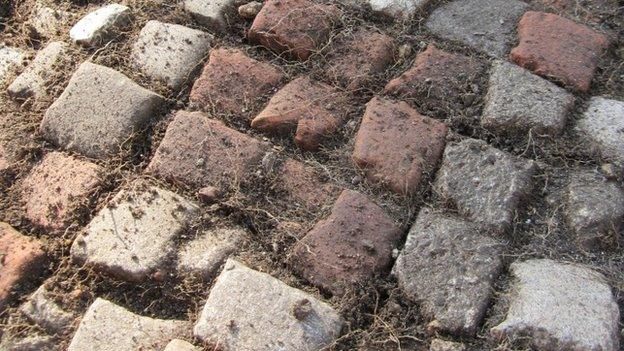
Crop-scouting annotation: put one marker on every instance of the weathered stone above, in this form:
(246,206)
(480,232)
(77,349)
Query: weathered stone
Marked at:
(398,146)
(601,128)
(353,244)
(48,22)
(358,56)
(449,266)
(399,9)
(43,311)
(443,345)
(305,186)
(41,73)
(250,10)
(180,345)
(107,326)
(20,258)
(437,80)
(101,25)
(249,310)
(296,28)
(87,119)
(593,208)
(314,109)
(210,13)
(209,194)
(200,151)
(170,52)
(204,255)
(558,48)
(133,235)
(486,184)
(486,25)
(30,343)
(11,60)
(520,102)
(233,83)
(560,306)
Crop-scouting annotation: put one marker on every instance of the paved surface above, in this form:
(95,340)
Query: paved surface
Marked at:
(306,175)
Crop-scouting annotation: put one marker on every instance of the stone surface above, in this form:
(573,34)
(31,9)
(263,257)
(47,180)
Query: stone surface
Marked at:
(397,146)
(233,83)
(209,194)
(485,25)
(358,56)
(437,80)
(399,9)
(443,345)
(43,311)
(85,118)
(305,186)
(57,188)
(107,326)
(41,73)
(199,151)
(601,127)
(518,102)
(101,25)
(30,343)
(132,236)
(20,257)
(250,310)
(180,345)
(560,306)
(484,183)
(353,244)
(250,10)
(558,48)
(11,60)
(449,266)
(204,255)
(210,13)
(295,28)
(47,22)
(593,207)
(170,52)
(312,109)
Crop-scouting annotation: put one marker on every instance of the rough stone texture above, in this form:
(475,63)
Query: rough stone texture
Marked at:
(233,83)
(30,343)
(249,310)
(518,102)
(558,48)
(56,188)
(437,80)
(47,22)
(210,13)
(486,184)
(107,326)
(11,60)
(204,255)
(87,120)
(199,151)
(43,311)
(399,9)
(594,207)
(601,127)
(133,235)
(21,256)
(358,56)
(250,10)
(397,146)
(305,186)
(296,28)
(449,266)
(596,11)
(181,345)
(443,345)
(559,306)
(486,25)
(41,73)
(354,243)
(101,25)
(170,52)
(314,109)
